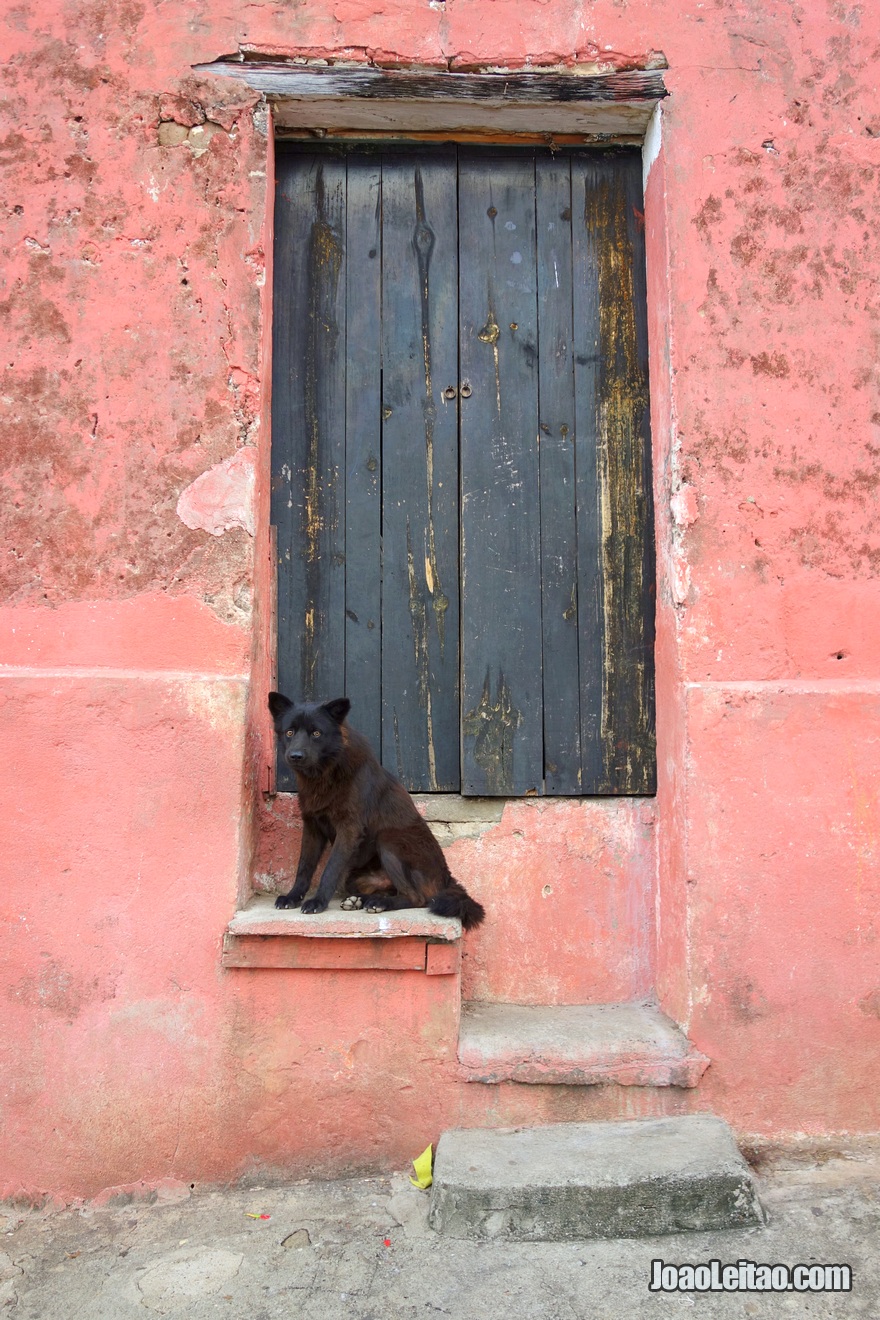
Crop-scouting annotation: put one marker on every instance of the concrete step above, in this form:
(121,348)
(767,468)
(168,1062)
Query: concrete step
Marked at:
(592,1180)
(576,1045)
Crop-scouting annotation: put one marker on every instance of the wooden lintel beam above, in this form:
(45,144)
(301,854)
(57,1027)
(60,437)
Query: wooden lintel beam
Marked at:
(308,83)
(605,107)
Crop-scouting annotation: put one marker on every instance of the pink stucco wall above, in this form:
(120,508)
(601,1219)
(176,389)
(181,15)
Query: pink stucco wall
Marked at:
(134,633)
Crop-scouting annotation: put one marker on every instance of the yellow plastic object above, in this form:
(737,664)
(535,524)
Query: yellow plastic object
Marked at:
(423,1165)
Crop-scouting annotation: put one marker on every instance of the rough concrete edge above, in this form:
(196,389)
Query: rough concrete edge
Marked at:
(684,1073)
(146,1191)
(734,1192)
(673,1062)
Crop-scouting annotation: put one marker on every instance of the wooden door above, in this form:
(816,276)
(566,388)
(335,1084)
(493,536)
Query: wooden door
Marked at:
(461,461)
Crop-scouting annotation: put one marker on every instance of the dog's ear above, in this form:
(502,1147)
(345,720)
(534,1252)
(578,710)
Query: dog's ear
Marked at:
(278,705)
(337,709)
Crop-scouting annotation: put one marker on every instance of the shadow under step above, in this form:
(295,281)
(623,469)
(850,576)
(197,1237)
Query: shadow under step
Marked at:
(592,1180)
(576,1045)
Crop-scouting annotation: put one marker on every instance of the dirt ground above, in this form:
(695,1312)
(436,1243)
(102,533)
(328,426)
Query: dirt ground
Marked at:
(362,1250)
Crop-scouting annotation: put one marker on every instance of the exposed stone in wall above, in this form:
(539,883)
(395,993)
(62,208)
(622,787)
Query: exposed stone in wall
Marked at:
(451,817)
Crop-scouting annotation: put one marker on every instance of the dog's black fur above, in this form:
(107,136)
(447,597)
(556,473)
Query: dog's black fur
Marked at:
(369,820)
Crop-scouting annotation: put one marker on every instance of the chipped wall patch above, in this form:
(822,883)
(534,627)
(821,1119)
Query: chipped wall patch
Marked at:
(683,505)
(222,497)
(652,144)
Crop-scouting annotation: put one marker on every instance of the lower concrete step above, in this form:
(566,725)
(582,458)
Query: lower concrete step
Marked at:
(592,1180)
(576,1045)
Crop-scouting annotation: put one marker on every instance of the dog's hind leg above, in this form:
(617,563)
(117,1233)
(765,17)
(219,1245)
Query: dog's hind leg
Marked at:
(387,902)
(363,882)
(399,891)
(436,891)
(400,874)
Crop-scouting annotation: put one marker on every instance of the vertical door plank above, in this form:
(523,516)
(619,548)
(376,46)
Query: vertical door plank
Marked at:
(619,756)
(289,289)
(363,446)
(589,578)
(562,743)
(629,477)
(420,598)
(308,426)
(500,508)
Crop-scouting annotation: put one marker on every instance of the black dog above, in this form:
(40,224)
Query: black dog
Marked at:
(370,821)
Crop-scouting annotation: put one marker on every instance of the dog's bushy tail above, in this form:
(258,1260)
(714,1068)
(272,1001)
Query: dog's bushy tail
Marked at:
(455,901)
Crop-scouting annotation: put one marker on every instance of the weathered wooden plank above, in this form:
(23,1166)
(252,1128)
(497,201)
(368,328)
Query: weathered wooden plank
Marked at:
(559,619)
(633,86)
(527,136)
(500,511)
(599,121)
(420,736)
(585,300)
(363,446)
(288,289)
(309,425)
(613,394)
(630,477)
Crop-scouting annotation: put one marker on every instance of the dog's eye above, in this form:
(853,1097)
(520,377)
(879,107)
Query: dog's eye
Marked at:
(289,733)
(316,733)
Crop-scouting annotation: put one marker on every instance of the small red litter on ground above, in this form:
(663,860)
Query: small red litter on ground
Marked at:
(386,1242)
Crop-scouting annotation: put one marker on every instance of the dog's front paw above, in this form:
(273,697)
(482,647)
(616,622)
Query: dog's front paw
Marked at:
(290,900)
(353,903)
(313,905)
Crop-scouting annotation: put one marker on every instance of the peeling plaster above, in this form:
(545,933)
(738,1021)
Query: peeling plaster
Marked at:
(585,59)
(223,497)
(684,506)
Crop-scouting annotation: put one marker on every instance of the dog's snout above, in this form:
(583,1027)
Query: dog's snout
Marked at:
(296,756)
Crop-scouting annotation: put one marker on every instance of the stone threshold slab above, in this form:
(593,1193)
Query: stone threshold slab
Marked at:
(631,1044)
(262,917)
(571,1181)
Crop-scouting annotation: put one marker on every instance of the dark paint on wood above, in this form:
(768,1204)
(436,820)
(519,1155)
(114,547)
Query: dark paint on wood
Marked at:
(557,443)
(363,447)
(585,296)
(420,711)
(502,735)
(532,270)
(308,427)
